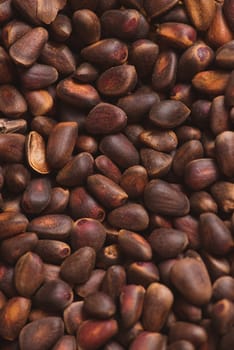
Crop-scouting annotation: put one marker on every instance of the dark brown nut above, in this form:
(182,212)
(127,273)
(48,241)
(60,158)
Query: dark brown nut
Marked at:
(82,205)
(43,125)
(224,55)
(86,73)
(106,53)
(114,280)
(61,28)
(219,32)
(99,305)
(130,216)
(189,151)
(105,118)
(92,285)
(223,193)
(217,267)
(117,81)
(184,93)
(168,114)
(108,168)
(190,226)
(154,10)
(113,146)
(138,104)
(224,152)
(168,243)
(127,24)
(12,103)
(157,164)
(215,236)
(228,8)
(142,55)
(58,56)
(202,202)
(40,102)
(54,296)
(12,249)
(7,280)
(219,116)
(13,30)
(17,177)
(164,72)
(143,273)
(76,171)
(186,311)
(212,82)
(27,49)
(149,341)
(134,180)
(92,334)
(222,316)
(179,35)
(13,317)
(36,153)
(61,143)
(73,316)
(131,304)
(133,131)
(38,76)
(36,196)
(86,143)
(58,201)
(84,96)
(88,232)
(223,288)
(28,265)
(163,198)
(54,226)
(157,304)
(191,278)
(77,267)
(87,25)
(200,113)
(43,333)
(162,141)
(6,67)
(51,272)
(181,345)
(11,224)
(195,59)
(134,246)
(51,251)
(201,13)
(107,192)
(229,93)
(187,331)
(201,173)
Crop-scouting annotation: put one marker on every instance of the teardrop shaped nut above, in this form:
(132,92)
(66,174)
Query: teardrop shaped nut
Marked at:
(36,153)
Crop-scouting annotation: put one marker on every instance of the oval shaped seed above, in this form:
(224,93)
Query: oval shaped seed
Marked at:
(201,202)
(156,163)
(131,304)
(36,153)
(212,82)
(105,118)
(130,216)
(77,267)
(36,196)
(108,168)
(201,173)
(191,279)
(134,180)
(164,71)
(162,198)
(169,114)
(201,12)
(187,331)
(224,55)
(149,341)
(54,226)
(11,224)
(99,305)
(51,251)
(38,76)
(92,285)
(134,245)
(143,273)
(224,152)
(12,103)
(73,316)
(87,25)
(179,35)
(58,201)
(117,81)
(161,141)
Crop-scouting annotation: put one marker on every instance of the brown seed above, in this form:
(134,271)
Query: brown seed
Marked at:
(143,273)
(114,52)
(92,334)
(219,116)
(53,226)
(157,164)
(108,168)
(76,170)
(36,196)
(11,224)
(187,331)
(38,76)
(223,288)
(201,173)
(40,102)
(157,304)
(224,55)
(149,341)
(73,316)
(77,267)
(222,316)
(169,114)
(134,245)
(201,12)
(164,71)
(134,180)
(114,280)
(162,141)
(17,177)
(13,317)
(179,35)
(168,243)
(217,266)
(162,198)
(223,193)
(7,280)
(202,202)
(12,102)
(58,201)
(189,225)
(61,143)
(36,153)
(131,304)
(191,278)
(27,49)
(47,10)
(43,125)
(54,295)
(109,255)
(105,118)
(12,126)
(86,143)
(87,25)
(117,81)
(28,265)
(92,285)
(66,342)
(99,305)
(6,67)
(185,311)
(86,73)
(130,216)
(154,10)
(61,28)
(228,8)
(212,82)
(43,333)
(215,236)
(224,152)
(52,251)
